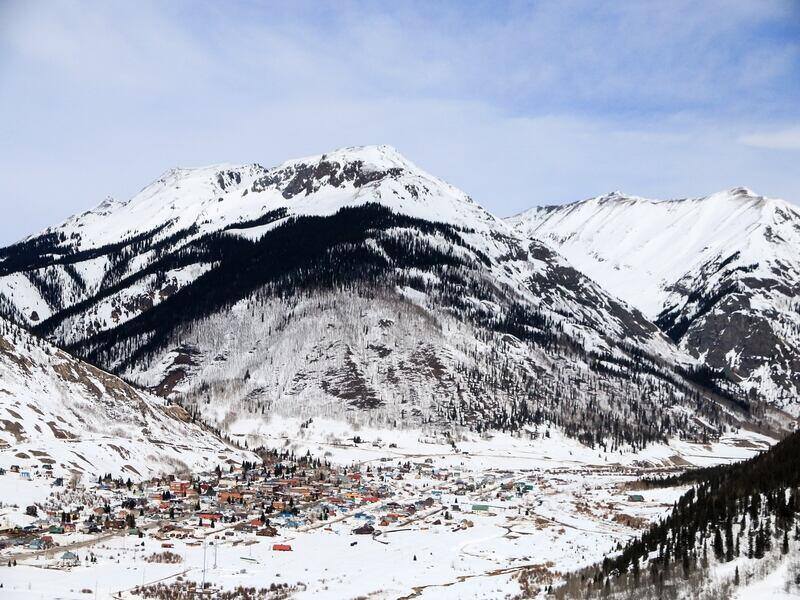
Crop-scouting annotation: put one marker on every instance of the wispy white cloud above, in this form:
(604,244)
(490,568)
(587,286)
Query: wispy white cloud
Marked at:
(518,104)
(784,139)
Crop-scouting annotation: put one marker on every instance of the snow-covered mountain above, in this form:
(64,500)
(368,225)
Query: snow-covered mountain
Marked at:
(351,284)
(719,274)
(72,262)
(58,411)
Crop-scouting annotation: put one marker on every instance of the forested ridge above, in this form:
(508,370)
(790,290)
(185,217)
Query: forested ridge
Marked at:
(740,513)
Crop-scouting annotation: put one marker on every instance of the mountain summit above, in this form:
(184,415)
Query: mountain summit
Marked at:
(218,196)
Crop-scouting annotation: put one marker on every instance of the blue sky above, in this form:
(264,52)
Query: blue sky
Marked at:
(518,103)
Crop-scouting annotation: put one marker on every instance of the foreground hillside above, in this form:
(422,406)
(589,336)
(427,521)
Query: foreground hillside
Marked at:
(736,524)
(62,414)
(720,275)
(355,285)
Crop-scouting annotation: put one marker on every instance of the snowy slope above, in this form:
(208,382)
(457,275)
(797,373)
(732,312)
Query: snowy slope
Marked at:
(217,196)
(350,283)
(720,274)
(59,411)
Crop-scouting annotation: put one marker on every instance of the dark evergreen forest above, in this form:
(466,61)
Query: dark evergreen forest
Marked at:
(745,509)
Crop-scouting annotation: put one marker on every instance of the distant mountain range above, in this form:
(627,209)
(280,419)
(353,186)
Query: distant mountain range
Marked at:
(355,285)
(720,275)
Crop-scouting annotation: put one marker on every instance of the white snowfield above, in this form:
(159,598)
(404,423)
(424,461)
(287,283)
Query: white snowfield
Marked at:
(217,196)
(637,248)
(59,413)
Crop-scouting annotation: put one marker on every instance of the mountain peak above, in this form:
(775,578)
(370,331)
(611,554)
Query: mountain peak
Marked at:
(618,196)
(213,197)
(743,191)
(109,204)
(738,194)
(373,157)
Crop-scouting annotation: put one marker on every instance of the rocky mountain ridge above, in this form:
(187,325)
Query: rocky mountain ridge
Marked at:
(719,274)
(60,413)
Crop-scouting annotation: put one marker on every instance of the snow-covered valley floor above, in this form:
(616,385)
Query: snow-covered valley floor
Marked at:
(501,506)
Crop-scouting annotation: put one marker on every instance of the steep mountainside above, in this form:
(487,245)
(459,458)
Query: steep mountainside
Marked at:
(720,275)
(58,411)
(351,284)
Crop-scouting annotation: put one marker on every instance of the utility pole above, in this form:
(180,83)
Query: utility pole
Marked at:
(203,587)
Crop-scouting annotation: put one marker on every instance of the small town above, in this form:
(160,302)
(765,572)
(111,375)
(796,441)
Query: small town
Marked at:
(264,522)
(242,504)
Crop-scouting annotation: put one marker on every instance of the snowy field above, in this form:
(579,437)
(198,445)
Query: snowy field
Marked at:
(573,506)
